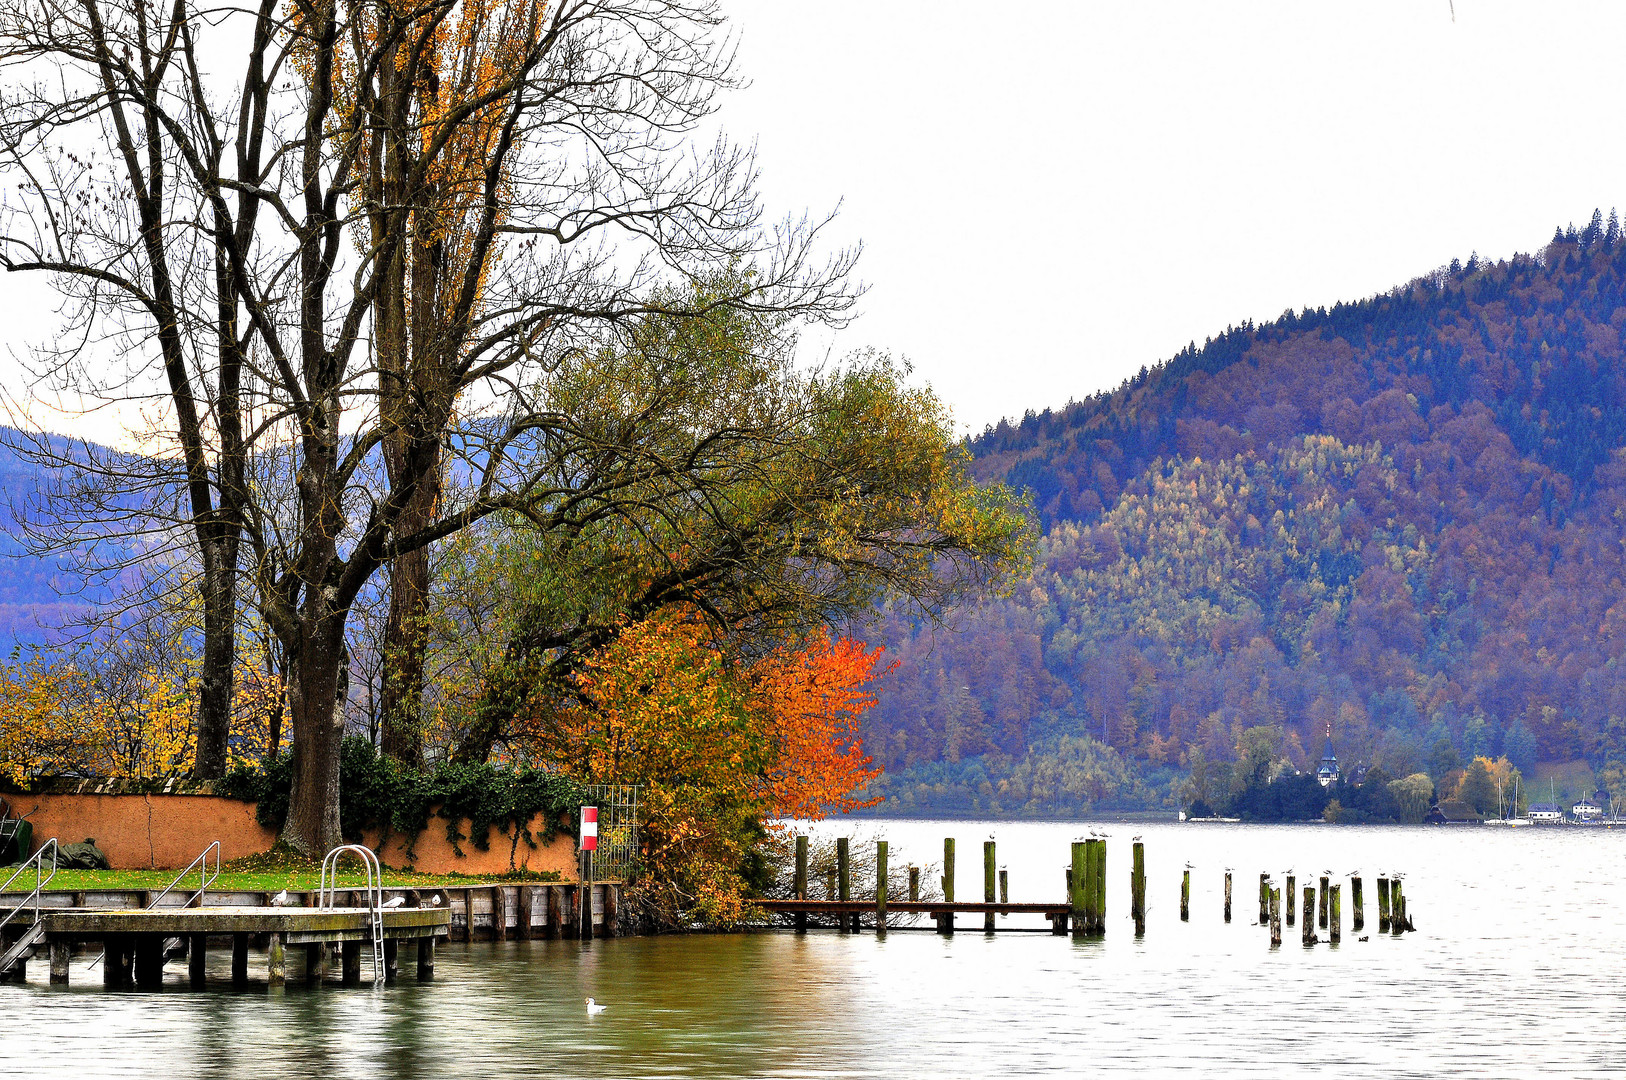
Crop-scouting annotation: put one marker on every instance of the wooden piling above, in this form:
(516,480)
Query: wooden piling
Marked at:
(1335,915)
(1228,896)
(1358,915)
(1080,882)
(1137,887)
(945,921)
(914,884)
(426,959)
(276,961)
(1292,891)
(197,955)
(801,882)
(1309,915)
(1383,905)
(1397,908)
(1322,910)
(553,925)
(60,953)
(350,963)
(149,961)
(112,961)
(239,960)
(880,886)
(1185,897)
(1275,917)
(315,963)
(1264,899)
(990,873)
(844,884)
(1099,914)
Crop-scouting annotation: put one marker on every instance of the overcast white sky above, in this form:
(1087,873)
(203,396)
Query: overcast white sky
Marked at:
(1053,194)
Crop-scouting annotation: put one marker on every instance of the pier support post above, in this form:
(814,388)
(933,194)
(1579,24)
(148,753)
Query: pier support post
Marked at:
(239,960)
(1275,918)
(1137,887)
(351,963)
(801,882)
(844,922)
(426,959)
(552,920)
(149,961)
(1292,891)
(1099,915)
(60,952)
(1335,916)
(1309,915)
(1397,908)
(1322,911)
(1358,915)
(1228,896)
(525,901)
(1383,905)
(499,913)
(880,887)
(990,874)
(1264,899)
(1185,897)
(276,962)
(1004,886)
(315,963)
(197,958)
(945,921)
(112,961)
(392,959)
(1080,883)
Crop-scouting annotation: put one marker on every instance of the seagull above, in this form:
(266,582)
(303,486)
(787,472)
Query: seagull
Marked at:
(1135,839)
(433,901)
(395,901)
(1188,864)
(281,899)
(594,1009)
(1364,937)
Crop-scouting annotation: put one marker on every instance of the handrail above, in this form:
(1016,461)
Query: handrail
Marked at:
(205,879)
(327,887)
(41,879)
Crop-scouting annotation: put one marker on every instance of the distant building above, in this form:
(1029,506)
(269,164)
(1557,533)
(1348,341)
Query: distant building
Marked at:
(1545,812)
(1586,810)
(1327,772)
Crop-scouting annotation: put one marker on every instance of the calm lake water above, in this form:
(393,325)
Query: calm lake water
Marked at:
(1516,968)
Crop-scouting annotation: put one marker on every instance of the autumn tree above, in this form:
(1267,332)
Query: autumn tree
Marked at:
(569,151)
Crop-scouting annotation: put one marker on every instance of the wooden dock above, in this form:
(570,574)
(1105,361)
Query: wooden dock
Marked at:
(942,911)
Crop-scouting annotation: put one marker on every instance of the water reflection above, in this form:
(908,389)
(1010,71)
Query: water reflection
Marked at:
(1517,940)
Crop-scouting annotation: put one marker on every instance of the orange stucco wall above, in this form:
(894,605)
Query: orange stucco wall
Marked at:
(139,832)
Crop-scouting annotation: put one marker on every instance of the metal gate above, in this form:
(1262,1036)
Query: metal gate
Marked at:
(617,853)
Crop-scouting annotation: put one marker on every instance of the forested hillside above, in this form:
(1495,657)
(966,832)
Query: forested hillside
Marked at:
(1402,518)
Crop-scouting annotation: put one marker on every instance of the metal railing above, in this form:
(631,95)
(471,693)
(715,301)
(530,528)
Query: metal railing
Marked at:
(205,879)
(375,895)
(41,879)
(617,853)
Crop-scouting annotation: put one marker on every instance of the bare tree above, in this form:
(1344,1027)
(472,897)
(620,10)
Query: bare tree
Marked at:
(310,436)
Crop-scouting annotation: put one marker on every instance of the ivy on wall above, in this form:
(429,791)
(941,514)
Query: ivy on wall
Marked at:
(378,794)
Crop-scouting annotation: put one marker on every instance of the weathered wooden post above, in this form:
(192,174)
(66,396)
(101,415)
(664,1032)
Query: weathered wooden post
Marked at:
(1004,886)
(350,963)
(392,959)
(914,884)
(112,961)
(1137,887)
(426,958)
(276,962)
(1358,916)
(1383,905)
(990,873)
(1100,912)
(1335,915)
(1080,884)
(1185,896)
(60,953)
(844,921)
(945,922)
(239,960)
(1228,896)
(880,887)
(801,882)
(149,961)
(1397,908)
(1322,910)
(1292,891)
(1309,915)
(1275,917)
(1264,899)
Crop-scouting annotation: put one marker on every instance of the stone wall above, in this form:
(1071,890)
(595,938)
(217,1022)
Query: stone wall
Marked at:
(167,831)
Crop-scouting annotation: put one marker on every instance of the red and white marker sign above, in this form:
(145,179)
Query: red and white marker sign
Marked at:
(589,828)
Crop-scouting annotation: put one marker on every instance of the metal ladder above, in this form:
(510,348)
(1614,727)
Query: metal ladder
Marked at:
(23,948)
(375,895)
(205,879)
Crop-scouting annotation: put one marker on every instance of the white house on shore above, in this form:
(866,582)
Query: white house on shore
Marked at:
(1545,812)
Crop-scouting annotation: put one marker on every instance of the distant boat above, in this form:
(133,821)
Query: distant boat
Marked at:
(1507,813)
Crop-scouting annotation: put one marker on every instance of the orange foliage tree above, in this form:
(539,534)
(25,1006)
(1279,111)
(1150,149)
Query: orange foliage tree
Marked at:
(720,748)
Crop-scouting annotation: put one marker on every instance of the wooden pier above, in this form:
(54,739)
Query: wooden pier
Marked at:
(1059,914)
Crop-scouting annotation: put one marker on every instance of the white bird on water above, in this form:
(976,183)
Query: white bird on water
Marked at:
(594,1009)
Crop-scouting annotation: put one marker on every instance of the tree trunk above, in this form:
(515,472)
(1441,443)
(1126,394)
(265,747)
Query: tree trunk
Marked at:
(312,827)
(406,636)
(218,677)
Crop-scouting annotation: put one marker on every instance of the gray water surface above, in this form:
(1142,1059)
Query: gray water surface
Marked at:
(1515,970)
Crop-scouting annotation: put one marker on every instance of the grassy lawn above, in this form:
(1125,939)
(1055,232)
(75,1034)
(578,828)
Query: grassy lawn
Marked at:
(259,873)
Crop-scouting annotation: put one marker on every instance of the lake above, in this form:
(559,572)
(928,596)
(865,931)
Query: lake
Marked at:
(1514,969)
